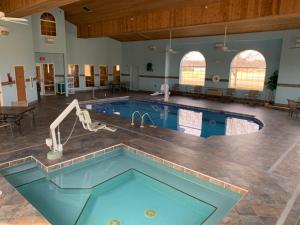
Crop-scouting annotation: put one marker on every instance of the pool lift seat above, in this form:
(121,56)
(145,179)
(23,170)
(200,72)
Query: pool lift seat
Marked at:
(54,142)
(92,126)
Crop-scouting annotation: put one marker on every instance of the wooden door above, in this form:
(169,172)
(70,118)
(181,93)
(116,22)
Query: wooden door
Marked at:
(89,75)
(116,74)
(1,94)
(20,83)
(103,76)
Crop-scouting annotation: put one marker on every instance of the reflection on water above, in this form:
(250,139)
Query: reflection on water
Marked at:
(235,126)
(195,122)
(207,124)
(190,122)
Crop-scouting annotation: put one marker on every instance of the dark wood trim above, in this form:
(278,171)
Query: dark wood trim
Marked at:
(59,75)
(156,76)
(221,80)
(28,79)
(5,83)
(289,85)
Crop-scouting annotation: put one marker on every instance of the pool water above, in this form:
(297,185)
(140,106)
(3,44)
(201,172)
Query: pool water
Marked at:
(194,121)
(121,187)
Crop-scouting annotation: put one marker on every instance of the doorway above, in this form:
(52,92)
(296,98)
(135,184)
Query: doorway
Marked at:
(116,74)
(1,94)
(73,70)
(89,75)
(45,75)
(20,83)
(103,76)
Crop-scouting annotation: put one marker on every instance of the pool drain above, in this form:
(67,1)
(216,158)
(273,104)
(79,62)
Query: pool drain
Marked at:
(115,222)
(150,213)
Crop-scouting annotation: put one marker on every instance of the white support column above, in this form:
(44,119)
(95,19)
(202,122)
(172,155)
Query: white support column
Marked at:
(167,73)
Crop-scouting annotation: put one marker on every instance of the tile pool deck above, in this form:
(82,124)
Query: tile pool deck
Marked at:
(266,163)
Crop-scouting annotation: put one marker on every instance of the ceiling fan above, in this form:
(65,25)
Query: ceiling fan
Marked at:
(12,19)
(169,49)
(223,46)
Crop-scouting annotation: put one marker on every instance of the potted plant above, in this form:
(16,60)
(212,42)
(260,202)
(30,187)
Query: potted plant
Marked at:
(272,85)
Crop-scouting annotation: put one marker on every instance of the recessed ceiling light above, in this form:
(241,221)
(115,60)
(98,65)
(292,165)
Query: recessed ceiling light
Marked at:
(206,6)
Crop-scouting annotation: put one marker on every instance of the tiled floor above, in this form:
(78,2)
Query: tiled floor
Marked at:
(266,163)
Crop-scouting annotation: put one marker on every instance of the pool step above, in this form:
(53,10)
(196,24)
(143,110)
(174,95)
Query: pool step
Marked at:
(22,174)
(18,168)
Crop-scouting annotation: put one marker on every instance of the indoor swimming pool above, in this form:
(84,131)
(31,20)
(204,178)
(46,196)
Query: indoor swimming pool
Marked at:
(190,120)
(121,188)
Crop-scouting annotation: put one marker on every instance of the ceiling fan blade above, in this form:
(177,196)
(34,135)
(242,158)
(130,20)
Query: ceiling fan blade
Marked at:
(23,23)
(15,19)
(172,51)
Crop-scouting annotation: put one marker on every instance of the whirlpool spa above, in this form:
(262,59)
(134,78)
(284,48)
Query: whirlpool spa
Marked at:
(124,186)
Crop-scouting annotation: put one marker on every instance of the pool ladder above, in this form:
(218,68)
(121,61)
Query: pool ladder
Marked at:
(142,119)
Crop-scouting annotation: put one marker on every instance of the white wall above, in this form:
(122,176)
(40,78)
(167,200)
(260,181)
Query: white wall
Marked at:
(217,62)
(96,51)
(59,45)
(17,49)
(52,53)
(289,72)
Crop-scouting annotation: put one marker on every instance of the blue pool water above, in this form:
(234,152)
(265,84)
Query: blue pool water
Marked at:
(121,188)
(196,122)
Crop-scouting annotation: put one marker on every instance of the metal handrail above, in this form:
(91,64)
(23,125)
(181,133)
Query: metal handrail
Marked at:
(142,122)
(132,116)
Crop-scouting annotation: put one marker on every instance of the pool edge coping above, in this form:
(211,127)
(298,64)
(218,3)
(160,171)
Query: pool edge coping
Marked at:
(60,165)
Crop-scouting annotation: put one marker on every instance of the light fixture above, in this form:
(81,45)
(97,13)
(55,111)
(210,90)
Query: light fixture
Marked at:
(49,40)
(4,31)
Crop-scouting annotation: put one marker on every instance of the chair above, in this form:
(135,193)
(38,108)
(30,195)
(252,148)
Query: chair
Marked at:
(125,86)
(230,93)
(214,92)
(4,124)
(176,88)
(252,95)
(19,104)
(293,108)
(198,89)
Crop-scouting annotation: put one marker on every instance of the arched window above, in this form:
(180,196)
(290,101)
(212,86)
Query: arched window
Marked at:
(192,69)
(248,71)
(48,24)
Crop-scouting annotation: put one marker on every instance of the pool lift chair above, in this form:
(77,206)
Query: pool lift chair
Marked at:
(54,142)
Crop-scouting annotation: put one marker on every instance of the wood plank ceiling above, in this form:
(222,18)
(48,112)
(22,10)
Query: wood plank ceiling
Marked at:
(130,20)
(21,8)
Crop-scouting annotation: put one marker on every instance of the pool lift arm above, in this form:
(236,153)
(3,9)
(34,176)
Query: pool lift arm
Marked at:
(55,145)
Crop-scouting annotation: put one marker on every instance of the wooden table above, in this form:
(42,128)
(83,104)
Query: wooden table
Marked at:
(16,114)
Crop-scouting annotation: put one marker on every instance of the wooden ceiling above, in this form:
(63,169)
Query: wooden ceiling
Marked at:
(21,8)
(104,10)
(131,20)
